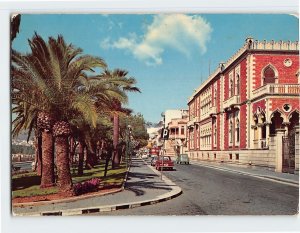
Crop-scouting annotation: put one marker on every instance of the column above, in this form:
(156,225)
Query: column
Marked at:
(286,124)
(259,129)
(278,161)
(267,133)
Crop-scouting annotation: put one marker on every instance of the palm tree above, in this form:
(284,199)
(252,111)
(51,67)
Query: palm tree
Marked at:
(55,71)
(15,25)
(122,84)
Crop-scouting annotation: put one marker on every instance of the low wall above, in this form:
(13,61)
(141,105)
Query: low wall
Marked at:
(262,158)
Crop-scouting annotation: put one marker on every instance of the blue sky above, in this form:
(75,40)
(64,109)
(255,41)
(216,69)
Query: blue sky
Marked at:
(169,55)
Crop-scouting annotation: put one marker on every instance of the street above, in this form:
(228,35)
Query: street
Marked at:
(208,191)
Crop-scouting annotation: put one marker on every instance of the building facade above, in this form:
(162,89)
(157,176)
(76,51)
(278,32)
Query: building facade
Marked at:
(176,121)
(247,111)
(177,142)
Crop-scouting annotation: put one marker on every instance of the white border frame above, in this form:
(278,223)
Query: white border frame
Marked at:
(134,224)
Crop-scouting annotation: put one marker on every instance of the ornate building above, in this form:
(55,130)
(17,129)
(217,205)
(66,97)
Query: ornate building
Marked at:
(247,111)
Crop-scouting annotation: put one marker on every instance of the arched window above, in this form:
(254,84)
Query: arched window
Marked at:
(231,90)
(237,85)
(230,131)
(215,134)
(237,130)
(269,75)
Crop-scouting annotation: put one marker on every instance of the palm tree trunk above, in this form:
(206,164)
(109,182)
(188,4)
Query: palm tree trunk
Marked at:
(81,157)
(72,150)
(63,165)
(38,155)
(47,179)
(116,157)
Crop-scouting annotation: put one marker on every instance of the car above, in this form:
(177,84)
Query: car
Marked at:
(164,162)
(183,158)
(153,160)
(144,156)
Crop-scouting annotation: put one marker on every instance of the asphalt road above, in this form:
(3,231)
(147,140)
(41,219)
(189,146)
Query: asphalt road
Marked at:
(208,191)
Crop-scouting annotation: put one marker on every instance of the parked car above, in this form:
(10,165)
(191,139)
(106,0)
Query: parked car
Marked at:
(153,160)
(164,162)
(144,156)
(183,158)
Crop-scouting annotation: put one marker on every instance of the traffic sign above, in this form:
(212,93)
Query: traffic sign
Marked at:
(165,134)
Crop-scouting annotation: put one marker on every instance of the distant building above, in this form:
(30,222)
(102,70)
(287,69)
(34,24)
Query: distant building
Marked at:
(177,143)
(176,121)
(174,114)
(247,111)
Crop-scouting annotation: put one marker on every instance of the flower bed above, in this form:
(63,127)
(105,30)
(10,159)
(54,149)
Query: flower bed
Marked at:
(91,185)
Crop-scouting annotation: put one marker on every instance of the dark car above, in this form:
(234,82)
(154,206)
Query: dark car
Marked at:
(183,158)
(164,162)
(153,160)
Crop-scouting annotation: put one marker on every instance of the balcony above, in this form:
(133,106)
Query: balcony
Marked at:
(232,101)
(270,89)
(191,122)
(211,111)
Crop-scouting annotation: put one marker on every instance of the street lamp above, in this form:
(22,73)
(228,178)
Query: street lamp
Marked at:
(128,144)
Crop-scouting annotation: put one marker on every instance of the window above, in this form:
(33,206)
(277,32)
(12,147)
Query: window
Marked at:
(215,133)
(237,130)
(230,156)
(231,88)
(230,131)
(237,156)
(269,75)
(182,130)
(237,85)
(215,156)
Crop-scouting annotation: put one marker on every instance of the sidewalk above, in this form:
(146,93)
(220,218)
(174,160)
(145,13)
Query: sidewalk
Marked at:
(258,172)
(143,187)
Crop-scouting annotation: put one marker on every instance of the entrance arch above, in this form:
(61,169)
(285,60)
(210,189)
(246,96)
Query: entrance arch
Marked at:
(276,122)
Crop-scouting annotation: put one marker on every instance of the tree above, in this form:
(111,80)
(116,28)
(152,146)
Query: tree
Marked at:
(15,25)
(47,82)
(123,84)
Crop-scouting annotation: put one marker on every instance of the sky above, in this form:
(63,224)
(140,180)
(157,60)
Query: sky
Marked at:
(169,55)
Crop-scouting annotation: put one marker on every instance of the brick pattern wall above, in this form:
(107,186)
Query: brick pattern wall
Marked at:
(261,104)
(285,74)
(277,103)
(243,80)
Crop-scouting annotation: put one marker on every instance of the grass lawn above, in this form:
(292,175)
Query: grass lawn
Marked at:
(28,184)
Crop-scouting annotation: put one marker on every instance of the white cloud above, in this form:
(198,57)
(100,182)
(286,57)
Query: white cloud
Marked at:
(105,44)
(180,32)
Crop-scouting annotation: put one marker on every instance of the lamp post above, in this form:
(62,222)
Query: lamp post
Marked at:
(128,152)
(163,146)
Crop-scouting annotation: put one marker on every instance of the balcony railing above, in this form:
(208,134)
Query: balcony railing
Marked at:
(234,100)
(177,136)
(191,122)
(276,89)
(211,111)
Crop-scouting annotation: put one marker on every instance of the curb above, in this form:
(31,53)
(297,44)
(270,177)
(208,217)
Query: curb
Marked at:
(265,177)
(108,208)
